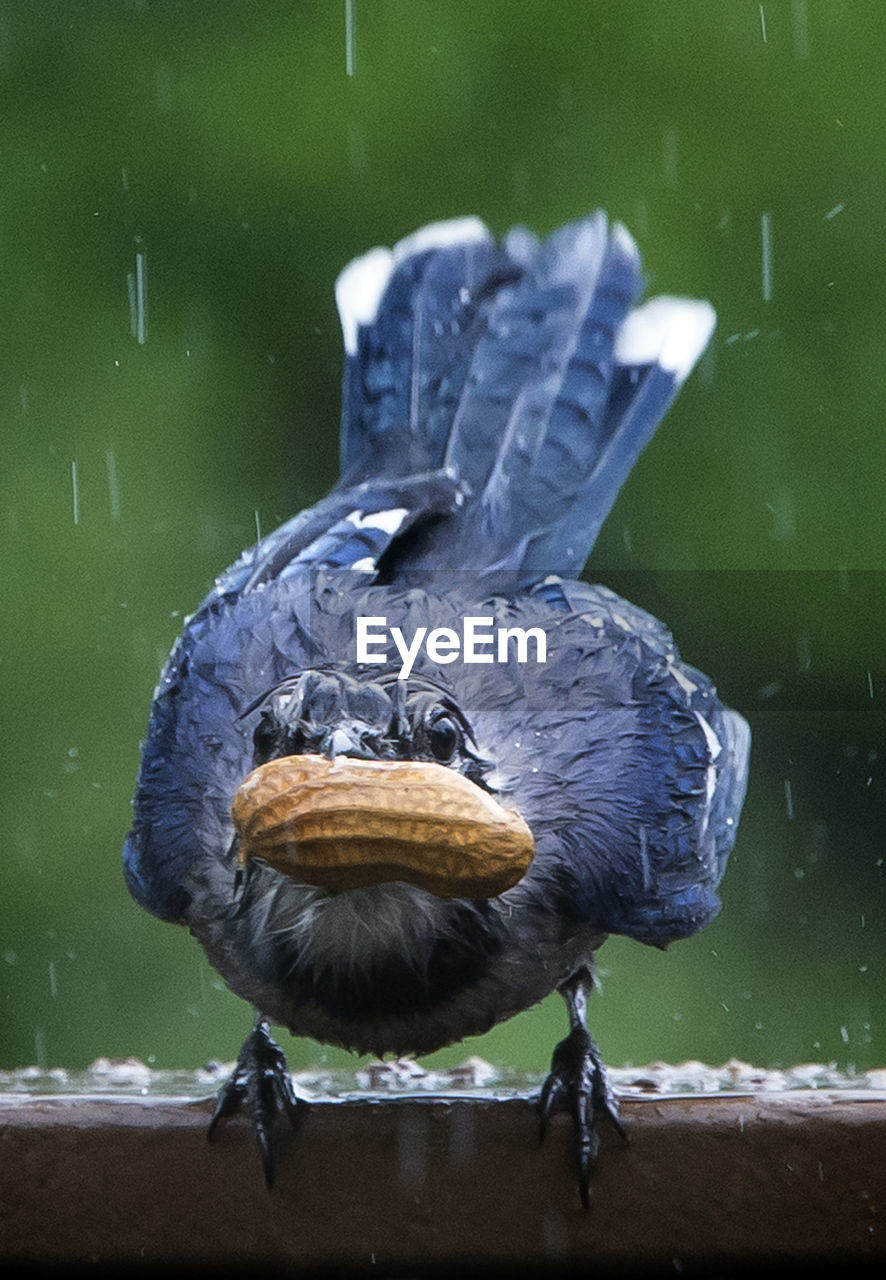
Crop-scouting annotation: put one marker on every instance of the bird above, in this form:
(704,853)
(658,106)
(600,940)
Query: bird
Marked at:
(496,395)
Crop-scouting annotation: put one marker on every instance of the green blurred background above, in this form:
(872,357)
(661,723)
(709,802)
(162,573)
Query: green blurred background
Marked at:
(219,164)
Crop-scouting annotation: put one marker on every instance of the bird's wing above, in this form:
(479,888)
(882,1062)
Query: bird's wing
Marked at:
(622,759)
(352,528)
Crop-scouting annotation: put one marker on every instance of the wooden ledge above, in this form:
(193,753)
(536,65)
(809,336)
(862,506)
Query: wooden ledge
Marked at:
(376,1182)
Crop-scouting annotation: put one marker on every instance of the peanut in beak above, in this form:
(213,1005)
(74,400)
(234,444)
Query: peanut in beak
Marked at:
(347,824)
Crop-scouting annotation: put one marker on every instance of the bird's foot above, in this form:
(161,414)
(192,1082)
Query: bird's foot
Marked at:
(261,1083)
(577,1084)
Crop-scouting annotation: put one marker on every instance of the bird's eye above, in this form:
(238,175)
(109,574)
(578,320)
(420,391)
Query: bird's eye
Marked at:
(443,739)
(273,738)
(264,739)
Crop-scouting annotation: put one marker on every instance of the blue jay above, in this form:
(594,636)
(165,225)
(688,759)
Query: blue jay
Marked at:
(496,395)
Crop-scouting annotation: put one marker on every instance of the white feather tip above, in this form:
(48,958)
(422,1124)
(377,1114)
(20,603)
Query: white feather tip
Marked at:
(670,332)
(442,235)
(360,286)
(358,291)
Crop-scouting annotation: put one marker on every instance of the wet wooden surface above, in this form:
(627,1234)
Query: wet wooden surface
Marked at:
(376,1182)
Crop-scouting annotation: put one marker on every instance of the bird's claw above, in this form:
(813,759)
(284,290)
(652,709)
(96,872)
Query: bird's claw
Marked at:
(577,1083)
(261,1083)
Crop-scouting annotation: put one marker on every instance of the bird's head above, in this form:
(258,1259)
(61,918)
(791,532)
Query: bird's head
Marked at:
(365,782)
(332,714)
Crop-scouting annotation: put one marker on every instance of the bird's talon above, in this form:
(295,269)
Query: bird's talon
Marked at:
(577,1083)
(261,1083)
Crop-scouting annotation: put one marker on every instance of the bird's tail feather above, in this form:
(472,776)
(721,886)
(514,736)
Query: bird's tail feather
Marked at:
(522,370)
(410,318)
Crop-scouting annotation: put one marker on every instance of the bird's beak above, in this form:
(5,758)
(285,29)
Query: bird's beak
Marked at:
(341,743)
(347,823)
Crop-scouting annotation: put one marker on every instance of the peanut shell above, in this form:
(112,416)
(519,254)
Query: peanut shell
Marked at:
(346,824)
